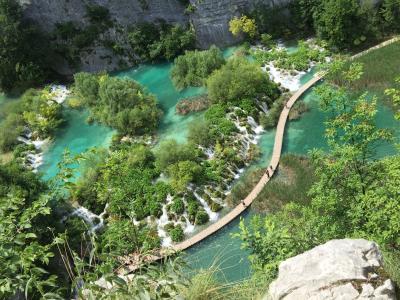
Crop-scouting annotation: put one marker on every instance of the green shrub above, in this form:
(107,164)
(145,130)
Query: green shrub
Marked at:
(178,206)
(159,41)
(201,217)
(177,234)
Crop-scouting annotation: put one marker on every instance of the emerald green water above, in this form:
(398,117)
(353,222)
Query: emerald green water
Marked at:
(156,79)
(219,249)
(77,136)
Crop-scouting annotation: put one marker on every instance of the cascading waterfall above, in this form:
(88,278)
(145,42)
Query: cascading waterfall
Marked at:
(213,215)
(34,159)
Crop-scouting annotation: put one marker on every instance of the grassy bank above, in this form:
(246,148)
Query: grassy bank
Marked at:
(291,184)
(381,67)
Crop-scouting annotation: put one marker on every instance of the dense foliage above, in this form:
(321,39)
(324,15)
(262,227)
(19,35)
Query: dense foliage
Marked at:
(120,103)
(160,41)
(36,114)
(344,24)
(240,79)
(352,192)
(23,51)
(193,68)
(25,250)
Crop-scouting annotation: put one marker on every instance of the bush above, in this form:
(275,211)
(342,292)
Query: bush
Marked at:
(24,50)
(193,68)
(154,42)
(201,217)
(178,206)
(177,234)
(10,129)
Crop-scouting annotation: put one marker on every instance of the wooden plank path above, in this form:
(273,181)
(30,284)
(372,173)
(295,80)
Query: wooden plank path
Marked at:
(133,262)
(276,156)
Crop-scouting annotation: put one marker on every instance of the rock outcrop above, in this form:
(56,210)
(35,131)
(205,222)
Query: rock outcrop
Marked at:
(210,20)
(340,269)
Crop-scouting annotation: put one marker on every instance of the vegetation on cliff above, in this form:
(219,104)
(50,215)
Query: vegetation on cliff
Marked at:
(23,52)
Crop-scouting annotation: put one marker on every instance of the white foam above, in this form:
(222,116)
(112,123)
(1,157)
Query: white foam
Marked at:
(59,93)
(213,215)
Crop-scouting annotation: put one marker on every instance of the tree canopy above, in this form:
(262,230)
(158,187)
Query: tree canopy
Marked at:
(240,79)
(120,103)
(193,68)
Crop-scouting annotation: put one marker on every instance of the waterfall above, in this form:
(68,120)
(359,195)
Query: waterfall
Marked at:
(264,107)
(213,216)
(254,126)
(59,93)
(96,222)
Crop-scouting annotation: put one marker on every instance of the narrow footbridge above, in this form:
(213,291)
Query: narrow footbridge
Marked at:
(132,262)
(276,156)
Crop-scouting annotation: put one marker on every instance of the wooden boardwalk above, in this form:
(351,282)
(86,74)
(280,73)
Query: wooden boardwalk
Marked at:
(276,155)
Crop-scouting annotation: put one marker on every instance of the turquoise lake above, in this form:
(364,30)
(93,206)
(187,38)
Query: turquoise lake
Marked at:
(220,249)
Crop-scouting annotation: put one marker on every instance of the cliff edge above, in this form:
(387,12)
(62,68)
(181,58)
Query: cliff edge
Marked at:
(340,269)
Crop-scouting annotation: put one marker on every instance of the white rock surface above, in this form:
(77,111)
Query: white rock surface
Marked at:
(340,269)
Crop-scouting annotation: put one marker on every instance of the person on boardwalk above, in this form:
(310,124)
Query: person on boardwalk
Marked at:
(243,203)
(267,172)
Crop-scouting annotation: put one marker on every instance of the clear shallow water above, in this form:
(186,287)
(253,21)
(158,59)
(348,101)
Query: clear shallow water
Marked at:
(77,136)
(156,79)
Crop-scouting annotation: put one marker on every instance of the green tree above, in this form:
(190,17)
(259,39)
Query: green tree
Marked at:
(390,12)
(184,172)
(10,129)
(86,86)
(344,23)
(170,152)
(24,254)
(120,103)
(193,68)
(244,24)
(239,79)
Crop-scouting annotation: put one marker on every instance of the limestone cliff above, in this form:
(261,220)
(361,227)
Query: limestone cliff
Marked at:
(340,269)
(209,18)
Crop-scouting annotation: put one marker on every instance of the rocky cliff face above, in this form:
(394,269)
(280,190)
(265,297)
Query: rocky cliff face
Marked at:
(209,18)
(47,13)
(340,269)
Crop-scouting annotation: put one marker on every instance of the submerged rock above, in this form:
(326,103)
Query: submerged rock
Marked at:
(192,104)
(340,269)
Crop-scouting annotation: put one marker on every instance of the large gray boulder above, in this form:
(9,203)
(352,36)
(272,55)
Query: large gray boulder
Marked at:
(340,269)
